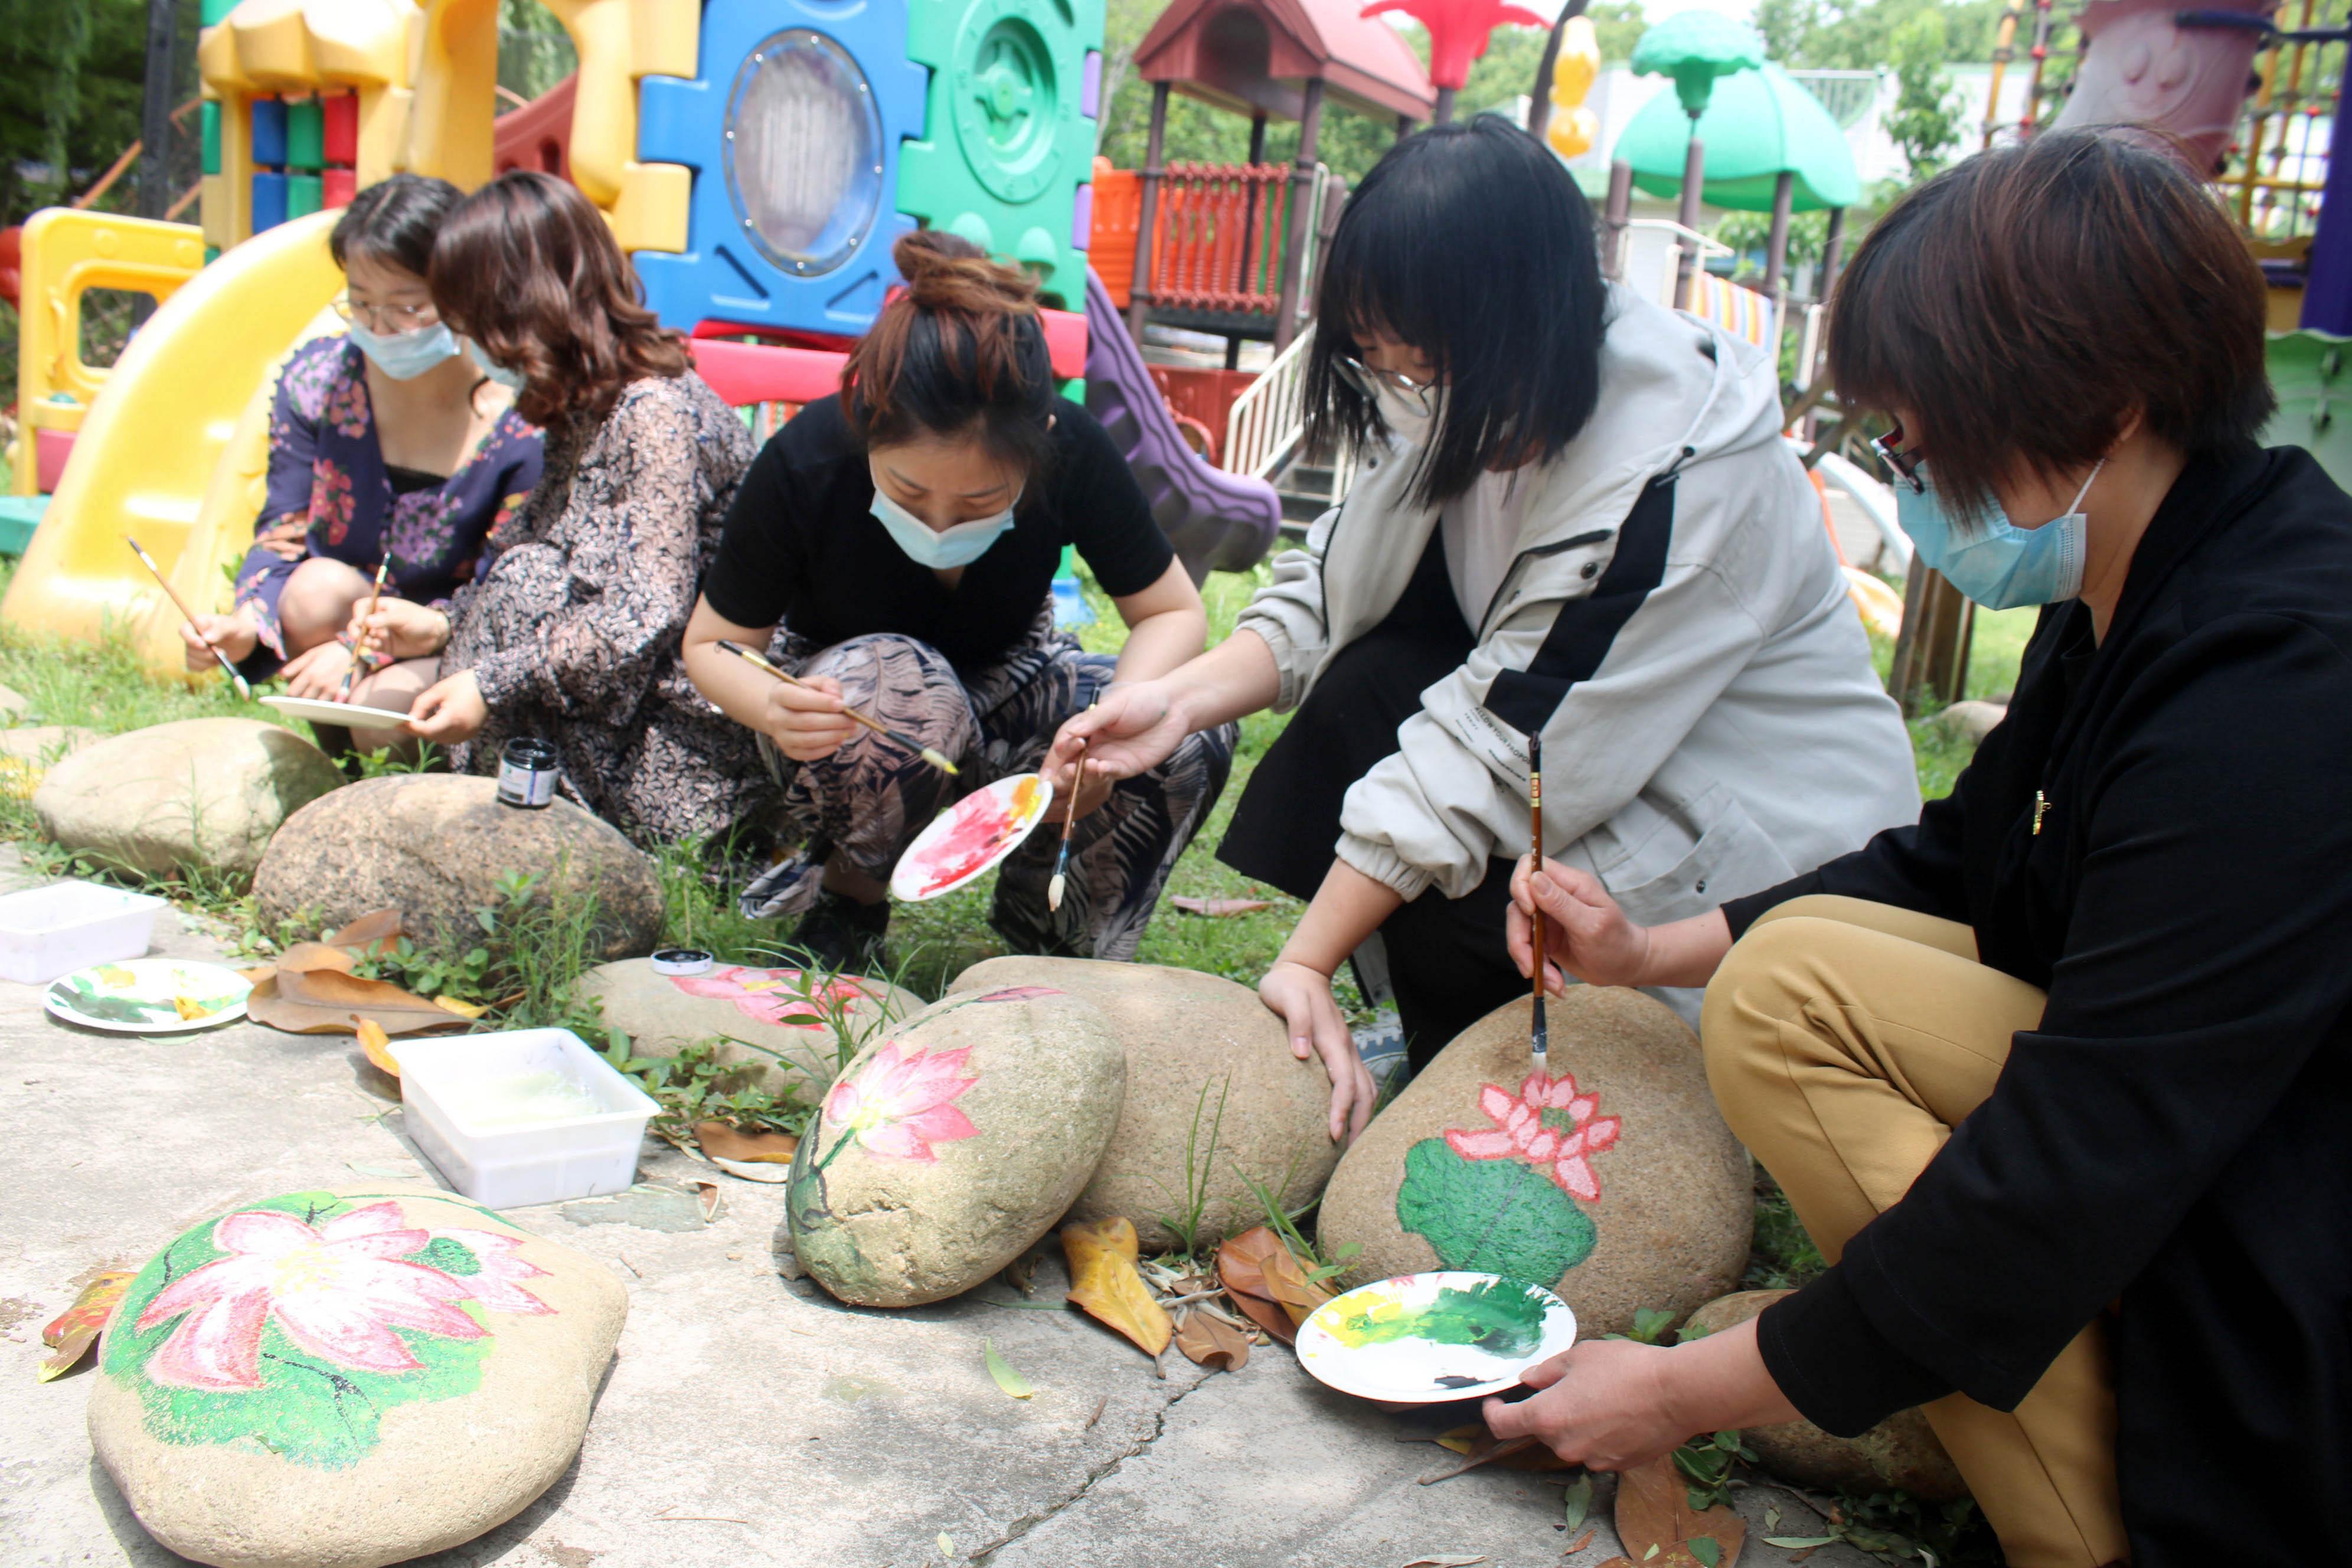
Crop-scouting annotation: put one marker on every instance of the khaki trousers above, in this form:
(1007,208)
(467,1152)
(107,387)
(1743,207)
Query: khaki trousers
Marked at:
(1843,1040)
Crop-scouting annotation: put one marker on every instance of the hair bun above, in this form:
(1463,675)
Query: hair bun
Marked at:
(945,271)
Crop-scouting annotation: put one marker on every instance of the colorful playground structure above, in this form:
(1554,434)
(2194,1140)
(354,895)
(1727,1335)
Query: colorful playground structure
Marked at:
(757,157)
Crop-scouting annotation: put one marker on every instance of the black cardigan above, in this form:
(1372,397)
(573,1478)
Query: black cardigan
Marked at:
(2174,1141)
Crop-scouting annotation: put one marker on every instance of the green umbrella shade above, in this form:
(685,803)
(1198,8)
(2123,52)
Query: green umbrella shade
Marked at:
(1760,124)
(1695,47)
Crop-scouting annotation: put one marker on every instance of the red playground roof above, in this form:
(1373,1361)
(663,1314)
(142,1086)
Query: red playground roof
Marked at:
(1250,55)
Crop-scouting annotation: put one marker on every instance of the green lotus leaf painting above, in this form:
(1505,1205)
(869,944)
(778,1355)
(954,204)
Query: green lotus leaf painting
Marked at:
(295,1323)
(1502,1199)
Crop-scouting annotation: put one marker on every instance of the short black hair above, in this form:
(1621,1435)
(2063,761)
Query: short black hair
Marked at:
(1472,243)
(393,222)
(2023,304)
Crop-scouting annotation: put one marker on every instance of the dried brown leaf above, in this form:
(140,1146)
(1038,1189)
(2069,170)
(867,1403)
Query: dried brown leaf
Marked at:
(1579,1544)
(722,1141)
(1211,1342)
(72,1331)
(1288,1283)
(377,928)
(1654,1510)
(1240,1259)
(1105,1284)
(328,1001)
(1221,909)
(377,1045)
(1267,1316)
(305,956)
(708,1194)
(1445,1562)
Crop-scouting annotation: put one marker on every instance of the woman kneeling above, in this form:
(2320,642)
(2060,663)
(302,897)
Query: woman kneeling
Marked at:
(2057,1078)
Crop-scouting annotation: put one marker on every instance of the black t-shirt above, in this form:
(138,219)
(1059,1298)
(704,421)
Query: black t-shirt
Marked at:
(802,545)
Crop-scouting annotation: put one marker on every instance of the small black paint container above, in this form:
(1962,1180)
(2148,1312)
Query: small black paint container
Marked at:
(527,773)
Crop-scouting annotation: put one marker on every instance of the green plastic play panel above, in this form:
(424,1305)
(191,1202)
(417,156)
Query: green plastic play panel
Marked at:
(2308,372)
(19,515)
(1010,144)
(1757,124)
(306,135)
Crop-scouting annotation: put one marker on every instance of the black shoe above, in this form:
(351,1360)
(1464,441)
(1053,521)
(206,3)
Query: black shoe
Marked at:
(843,936)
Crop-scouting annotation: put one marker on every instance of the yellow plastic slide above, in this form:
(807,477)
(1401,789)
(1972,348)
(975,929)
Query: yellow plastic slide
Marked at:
(175,447)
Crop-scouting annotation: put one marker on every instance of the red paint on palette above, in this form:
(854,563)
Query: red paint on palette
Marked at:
(981,827)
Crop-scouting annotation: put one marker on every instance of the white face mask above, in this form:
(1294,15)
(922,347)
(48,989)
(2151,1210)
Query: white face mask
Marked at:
(944,549)
(1410,415)
(511,380)
(404,356)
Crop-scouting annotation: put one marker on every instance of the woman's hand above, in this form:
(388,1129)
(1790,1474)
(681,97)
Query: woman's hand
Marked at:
(1603,1404)
(286,540)
(400,627)
(232,633)
(1092,790)
(808,721)
(318,672)
(1133,730)
(1585,933)
(449,712)
(1302,997)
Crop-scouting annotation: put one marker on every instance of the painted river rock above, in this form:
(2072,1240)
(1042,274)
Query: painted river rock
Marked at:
(1611,1179)
(346,1379)
(1901,1451)
(949,1145)
(1213,1097)
(790,1029)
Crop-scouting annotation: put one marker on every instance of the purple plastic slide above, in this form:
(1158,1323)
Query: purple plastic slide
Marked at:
(1217,521)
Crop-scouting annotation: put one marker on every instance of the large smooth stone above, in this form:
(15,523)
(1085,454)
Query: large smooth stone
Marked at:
(346,1379)
(196,792)
(1901,1451)
(1615,1182)
(789,1028)
(1213,1094)
(436,846)
(954,1142)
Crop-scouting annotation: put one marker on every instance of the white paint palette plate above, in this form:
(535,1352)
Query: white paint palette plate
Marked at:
(318,712)
(148,996)
(970,836)
(1425,1339)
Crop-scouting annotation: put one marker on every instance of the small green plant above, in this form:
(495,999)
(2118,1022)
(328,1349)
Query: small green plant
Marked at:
(1780,1256)
(1705,1466)
(1897,1528)
(1284,1221)
(697,1086)
(1192,1203)
(389,763)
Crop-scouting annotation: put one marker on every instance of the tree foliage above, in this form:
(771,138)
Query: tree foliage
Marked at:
(1861,35)
(1925,120)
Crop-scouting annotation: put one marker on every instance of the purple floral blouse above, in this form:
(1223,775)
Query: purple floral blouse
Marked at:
(326,467)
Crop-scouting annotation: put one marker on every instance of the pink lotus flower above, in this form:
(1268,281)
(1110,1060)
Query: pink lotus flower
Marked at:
(1549,1125)
(780,996)
(897,1105)
(338,1291)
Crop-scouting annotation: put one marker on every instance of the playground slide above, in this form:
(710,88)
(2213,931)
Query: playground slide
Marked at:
(153,458)
(1217,521)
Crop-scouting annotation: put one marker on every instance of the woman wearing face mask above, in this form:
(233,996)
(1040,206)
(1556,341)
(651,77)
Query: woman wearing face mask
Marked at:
(571,634)
(2057,1078)
(896,545)
(1574,514)
(387,439)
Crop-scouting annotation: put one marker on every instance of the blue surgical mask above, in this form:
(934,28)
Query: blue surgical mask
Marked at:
(945,549)
(511,380)
(1991,560)
(404,356)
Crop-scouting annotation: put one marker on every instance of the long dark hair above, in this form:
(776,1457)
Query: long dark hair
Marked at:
(528,269)
(1471,243)
(393,222)
(959,350)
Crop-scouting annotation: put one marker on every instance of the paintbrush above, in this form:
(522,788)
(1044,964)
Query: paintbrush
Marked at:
(937,759)
(165,584)
(1069,820)
(343,693)
(1540,1036)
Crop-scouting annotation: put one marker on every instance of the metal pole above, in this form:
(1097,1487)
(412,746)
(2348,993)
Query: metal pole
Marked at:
(1444,113)
(1302,182)
(1776,245)
(1138,298)
(1617,212)
(1540,98)
(1694,177)
(155,108)
(1405,122)
(1832,253)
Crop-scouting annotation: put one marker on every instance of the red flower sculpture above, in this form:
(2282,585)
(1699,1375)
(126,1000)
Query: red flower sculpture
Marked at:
(1549,1125)
(1458,30)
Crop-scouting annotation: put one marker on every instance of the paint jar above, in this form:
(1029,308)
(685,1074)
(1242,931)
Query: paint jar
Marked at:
(527,773)
(681,960)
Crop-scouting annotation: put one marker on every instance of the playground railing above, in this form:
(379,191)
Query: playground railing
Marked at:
(1268,426)
(1218,241)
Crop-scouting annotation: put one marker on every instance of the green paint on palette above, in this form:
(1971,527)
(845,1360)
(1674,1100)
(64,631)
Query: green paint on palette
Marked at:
(1500,1317)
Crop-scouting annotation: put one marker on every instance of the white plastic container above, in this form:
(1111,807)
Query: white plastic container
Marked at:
(531,1116)
(65,926)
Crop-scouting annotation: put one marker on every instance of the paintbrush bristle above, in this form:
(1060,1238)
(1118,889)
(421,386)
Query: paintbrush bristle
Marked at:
(938,760)
(1054,891)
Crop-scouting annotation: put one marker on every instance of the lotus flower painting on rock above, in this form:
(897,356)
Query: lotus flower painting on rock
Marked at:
(1503,1198)
(297,1322)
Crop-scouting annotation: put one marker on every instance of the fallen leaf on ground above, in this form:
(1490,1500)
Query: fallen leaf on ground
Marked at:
(1239,1261)
(463,1009)
(258,973)
(707,1193)
(1654,1510)
(1483,1453)
(1267,1316)
(1211,1342)
(1103,1281)
(1011,1381)
(304,957)
(947,1547)
(74,1331)
(325,1002)
(374,928)
(1576,1503)
(1445,1562)
(1221,909)
(378,1046)
(1579,1544)
(722,1141)
(753,1173)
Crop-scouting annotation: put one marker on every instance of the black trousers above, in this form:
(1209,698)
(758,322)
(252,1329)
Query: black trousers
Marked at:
(1446,956)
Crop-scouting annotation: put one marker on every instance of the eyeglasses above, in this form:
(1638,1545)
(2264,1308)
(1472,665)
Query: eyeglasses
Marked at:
(1368,382)
(1905,465)
(389,320)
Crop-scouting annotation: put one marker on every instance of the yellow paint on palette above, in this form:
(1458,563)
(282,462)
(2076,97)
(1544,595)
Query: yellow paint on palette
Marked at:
(1024,796)
(1374,1322)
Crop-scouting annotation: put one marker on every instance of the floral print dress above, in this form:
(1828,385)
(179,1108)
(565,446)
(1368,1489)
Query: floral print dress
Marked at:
(574,632)
(326,468)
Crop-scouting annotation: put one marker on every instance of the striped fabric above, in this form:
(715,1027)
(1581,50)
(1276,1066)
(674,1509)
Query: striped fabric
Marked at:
(1741,311)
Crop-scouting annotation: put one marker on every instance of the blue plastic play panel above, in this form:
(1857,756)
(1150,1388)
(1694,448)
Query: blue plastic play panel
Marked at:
(19,515)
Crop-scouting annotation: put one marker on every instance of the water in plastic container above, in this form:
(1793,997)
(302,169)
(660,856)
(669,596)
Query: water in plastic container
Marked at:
(516,1099)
